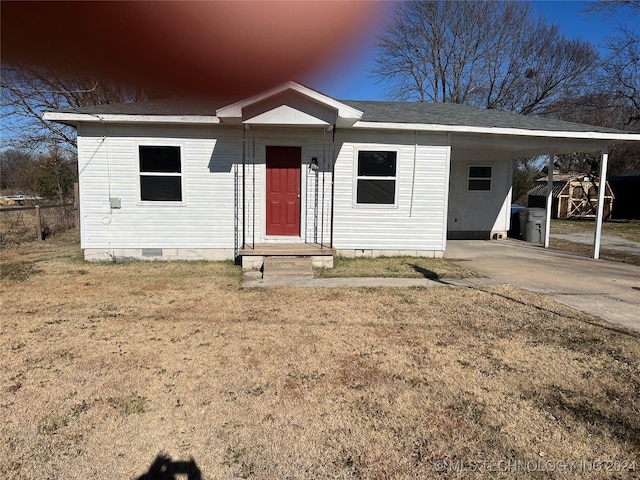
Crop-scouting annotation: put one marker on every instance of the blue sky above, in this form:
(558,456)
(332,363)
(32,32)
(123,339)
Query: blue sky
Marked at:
(348,79)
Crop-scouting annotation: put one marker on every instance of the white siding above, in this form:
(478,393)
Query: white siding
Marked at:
(211,212)
(479,213)
(108,165)
(417,220)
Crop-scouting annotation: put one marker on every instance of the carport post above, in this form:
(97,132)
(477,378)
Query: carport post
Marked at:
(547,222)
(602,187)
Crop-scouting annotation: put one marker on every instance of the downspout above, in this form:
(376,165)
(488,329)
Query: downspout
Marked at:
(106,221)
(333,170)
(601,191)
(447,192)
(413,178)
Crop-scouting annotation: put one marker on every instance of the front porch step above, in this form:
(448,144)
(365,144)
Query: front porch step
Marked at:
(286,249)
(286,267)
(253,256)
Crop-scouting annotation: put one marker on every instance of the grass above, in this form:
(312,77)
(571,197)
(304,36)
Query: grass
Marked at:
(405,267)
(587,251)
(18,226)
(627,230)
(121,370)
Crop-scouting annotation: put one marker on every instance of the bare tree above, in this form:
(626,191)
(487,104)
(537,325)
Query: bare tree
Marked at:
(525,172)
(609,7)
(487,54)
(620,78)
(622,74)
(16,171)
(27,91)
(615,97)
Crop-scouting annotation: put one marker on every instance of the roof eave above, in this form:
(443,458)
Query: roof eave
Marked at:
(589,135)
(77,118)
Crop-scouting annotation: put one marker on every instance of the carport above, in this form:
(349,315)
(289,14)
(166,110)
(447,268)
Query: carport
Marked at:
(523,139)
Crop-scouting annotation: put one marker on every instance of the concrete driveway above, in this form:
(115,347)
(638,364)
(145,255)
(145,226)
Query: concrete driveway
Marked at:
(608,290)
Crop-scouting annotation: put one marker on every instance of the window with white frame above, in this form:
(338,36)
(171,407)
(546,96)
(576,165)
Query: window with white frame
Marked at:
(160,173)
(376,177)
(479,178)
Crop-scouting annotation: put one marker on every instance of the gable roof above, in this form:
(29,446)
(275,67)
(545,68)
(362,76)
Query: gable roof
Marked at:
(419,116)
(342,110)
(449,114)
(539,188)
(566,177)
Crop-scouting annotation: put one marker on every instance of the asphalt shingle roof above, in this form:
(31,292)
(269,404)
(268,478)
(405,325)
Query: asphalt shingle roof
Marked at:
(170,106)
(373,111)
(462,115)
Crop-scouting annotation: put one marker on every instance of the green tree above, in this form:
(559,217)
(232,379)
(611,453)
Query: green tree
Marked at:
(54,176)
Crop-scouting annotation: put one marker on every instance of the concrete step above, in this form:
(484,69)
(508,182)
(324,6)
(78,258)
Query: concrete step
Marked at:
(286,267)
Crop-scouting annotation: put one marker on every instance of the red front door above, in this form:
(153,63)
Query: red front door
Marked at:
(283,190)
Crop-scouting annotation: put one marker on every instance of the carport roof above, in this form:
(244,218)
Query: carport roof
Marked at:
(463,115)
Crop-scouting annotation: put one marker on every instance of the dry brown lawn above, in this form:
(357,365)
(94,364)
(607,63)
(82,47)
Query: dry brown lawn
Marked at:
(586,250)
(18,226)
(629,230)
(403,267)
(107,368)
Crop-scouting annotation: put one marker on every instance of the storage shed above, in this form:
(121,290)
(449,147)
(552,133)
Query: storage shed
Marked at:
(625,188)
(575,195)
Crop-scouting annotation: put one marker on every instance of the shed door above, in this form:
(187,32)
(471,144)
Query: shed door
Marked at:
(283,190)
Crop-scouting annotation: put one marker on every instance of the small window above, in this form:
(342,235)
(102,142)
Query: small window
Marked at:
(160,174)
(376,177)
(480,178)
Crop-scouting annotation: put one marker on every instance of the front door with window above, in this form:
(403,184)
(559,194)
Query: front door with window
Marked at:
(283,190)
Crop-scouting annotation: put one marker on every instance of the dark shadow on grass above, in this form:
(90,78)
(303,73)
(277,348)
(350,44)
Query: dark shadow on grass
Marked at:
(425,272)
(18,271)
(163,468)
(580,318)
(593,417)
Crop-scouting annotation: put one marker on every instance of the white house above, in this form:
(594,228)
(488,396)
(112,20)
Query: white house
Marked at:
(292,170)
